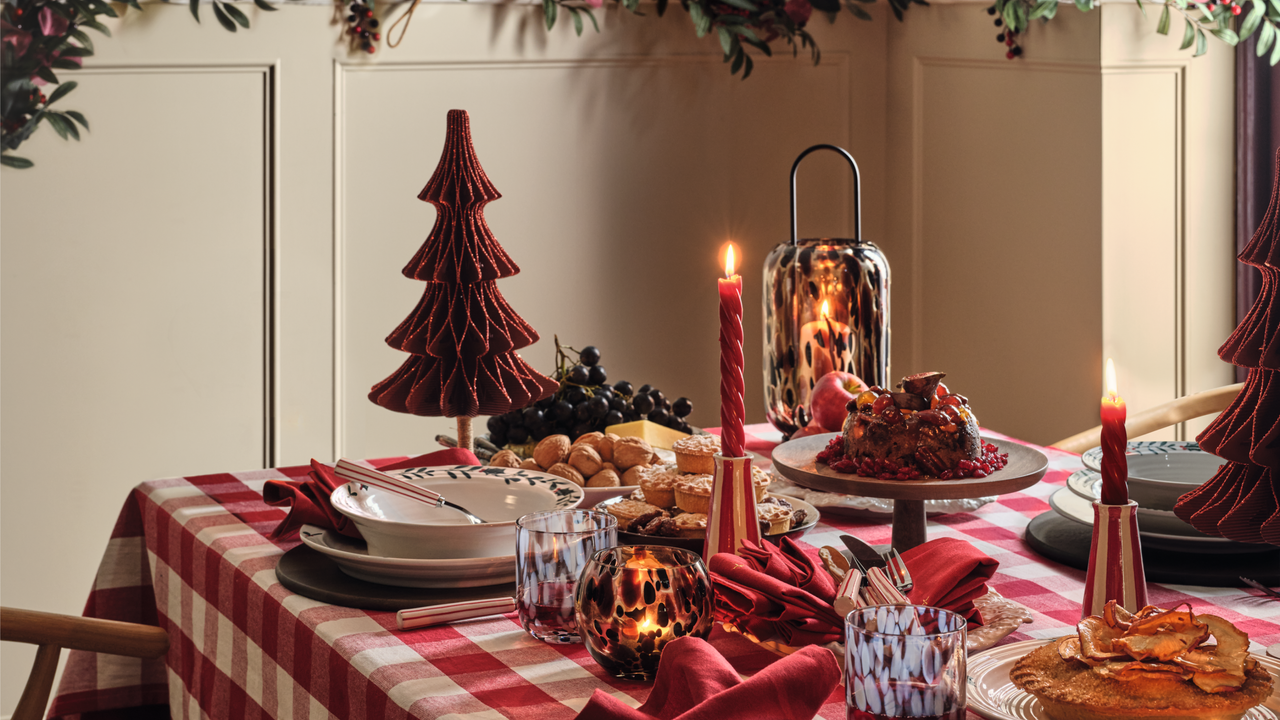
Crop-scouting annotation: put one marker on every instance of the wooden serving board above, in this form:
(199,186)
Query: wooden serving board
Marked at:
(797,461)
(313,575)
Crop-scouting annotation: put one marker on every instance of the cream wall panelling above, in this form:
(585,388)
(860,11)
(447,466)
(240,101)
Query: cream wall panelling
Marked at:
(138,336)
(632,274)
(1168,232)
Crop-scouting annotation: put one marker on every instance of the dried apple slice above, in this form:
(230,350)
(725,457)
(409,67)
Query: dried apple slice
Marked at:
(1096,638)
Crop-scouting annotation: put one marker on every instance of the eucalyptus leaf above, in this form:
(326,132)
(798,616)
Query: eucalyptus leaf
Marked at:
(1163,26)
(1041,8)
(1188,35)
(241,19)
(60,91)
(1084,5)
(1202,44)
(1226,35)
(1253,19)
(14,161)
(1265,38)
(75,115)
(1010,15)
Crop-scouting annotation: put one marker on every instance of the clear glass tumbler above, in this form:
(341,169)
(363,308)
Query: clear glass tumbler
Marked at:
(905,661)
(552,549)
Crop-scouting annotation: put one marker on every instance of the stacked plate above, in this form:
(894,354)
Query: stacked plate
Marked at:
(411,544)
(1159,473)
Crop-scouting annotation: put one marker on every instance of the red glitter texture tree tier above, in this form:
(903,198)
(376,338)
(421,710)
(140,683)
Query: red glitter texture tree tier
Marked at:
(1242,501)
(463,336)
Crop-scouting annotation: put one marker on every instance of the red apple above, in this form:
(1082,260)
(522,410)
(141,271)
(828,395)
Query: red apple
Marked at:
(830,395)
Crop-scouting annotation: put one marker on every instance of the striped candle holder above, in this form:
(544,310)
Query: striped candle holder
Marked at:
(1115,561)
(732,516)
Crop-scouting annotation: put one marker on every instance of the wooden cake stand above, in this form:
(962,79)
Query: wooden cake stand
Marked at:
(797,461)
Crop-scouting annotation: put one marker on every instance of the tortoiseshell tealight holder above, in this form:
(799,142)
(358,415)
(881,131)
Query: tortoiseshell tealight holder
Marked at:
(634,600)
(1115,561)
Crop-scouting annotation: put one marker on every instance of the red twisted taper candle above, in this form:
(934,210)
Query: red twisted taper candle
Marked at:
(1115,467)
(733,409)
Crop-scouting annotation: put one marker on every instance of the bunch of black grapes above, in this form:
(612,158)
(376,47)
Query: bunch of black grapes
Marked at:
(586,402)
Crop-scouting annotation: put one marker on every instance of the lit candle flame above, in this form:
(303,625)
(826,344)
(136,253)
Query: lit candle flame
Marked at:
(728,262)
(1111,379)
(826,312)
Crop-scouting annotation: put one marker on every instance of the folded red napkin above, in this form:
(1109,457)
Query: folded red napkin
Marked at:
(949,573)
(695,682)
(776,591)
(308,499)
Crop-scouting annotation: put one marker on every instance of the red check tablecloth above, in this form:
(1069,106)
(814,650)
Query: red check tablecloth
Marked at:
(191,555)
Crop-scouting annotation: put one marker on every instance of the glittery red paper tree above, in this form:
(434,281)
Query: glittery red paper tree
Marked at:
(1242,502)
(463,336)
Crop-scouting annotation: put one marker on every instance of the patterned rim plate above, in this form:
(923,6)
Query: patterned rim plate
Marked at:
(1088,485)
(550,493)
(1093,458)
(353,558)
(993,696)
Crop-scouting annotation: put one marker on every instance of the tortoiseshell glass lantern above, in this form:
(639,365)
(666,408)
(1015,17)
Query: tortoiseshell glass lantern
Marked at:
(826,307)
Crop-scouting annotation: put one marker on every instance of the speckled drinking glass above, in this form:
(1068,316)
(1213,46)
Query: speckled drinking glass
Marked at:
(632,601)
(904,661)
(552,550)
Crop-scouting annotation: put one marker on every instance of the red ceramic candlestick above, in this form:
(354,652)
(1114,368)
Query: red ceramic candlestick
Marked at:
(732,388)
(1115,551)
(1115,467)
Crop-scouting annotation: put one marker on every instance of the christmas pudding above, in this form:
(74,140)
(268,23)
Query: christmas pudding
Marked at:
(1152,664)
(923,429)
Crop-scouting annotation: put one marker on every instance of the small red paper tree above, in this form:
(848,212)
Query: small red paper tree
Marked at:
(463,336)
(1242,501)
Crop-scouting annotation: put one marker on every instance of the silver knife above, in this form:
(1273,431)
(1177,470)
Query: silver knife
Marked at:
(866,554)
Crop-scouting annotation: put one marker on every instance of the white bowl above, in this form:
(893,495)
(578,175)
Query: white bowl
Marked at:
(394,526)
(1161,472)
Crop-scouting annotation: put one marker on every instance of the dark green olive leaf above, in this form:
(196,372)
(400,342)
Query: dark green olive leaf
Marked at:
(59,124)
(726,41)
(859,12)
(222,17)
(264,5)
(1163,26)
(577,19)
(73,51)
(60,91)
(99,26)
(195,9)
(44,73)
(75,115)
(235,14)
(1143,9)
(662,7)
(592,17)
(72,130)
(747,66)
(82,37)
(737,63)
(14,161)
(65,64)
(1188,36)
(701,23)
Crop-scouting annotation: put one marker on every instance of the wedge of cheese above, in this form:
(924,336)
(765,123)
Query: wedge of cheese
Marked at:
(656,435)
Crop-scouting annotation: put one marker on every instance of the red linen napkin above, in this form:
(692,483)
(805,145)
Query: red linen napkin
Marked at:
(776,591)
(695,682)
(949,573)
(308,499)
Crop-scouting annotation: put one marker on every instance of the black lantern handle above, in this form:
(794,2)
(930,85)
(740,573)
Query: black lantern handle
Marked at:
(857,191)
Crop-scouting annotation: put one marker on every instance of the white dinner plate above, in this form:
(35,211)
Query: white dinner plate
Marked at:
(1151,523)
(353,558)
(993,696)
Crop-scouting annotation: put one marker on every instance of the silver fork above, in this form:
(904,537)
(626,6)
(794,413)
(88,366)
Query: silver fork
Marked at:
(1259,586)
(897,571)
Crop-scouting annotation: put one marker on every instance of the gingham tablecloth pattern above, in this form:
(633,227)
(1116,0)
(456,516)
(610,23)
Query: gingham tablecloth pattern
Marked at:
(191,555)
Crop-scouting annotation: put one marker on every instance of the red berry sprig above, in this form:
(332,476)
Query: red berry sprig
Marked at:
(362,26)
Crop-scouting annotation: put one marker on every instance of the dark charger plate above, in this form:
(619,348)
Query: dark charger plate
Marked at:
(696,544)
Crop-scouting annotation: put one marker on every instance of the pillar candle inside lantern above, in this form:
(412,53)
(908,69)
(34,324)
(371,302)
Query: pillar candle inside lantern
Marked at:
(824,344)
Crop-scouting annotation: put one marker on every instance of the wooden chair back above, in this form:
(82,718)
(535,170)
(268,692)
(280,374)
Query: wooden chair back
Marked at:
(52,632)
(1159,417)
